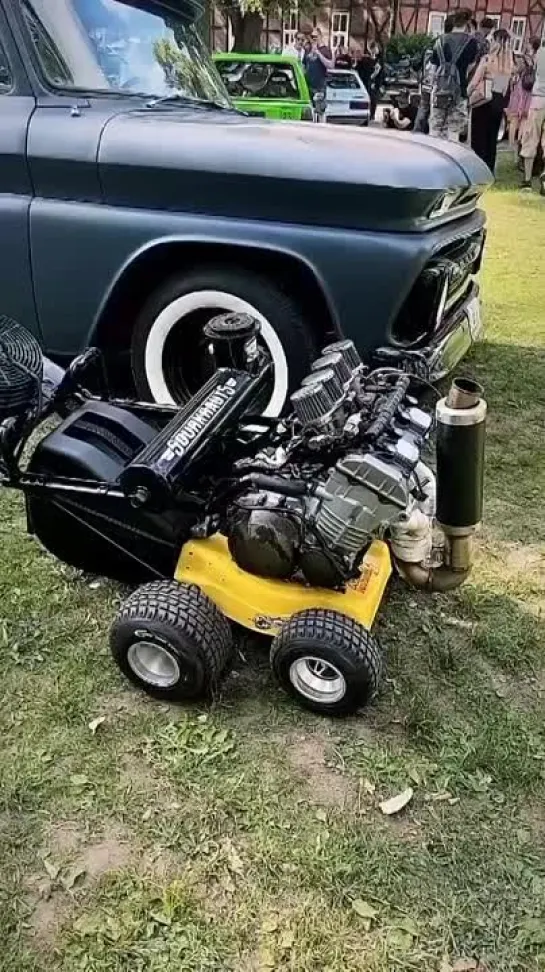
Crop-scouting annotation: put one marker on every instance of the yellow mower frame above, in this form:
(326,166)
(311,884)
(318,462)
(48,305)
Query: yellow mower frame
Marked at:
(264,605)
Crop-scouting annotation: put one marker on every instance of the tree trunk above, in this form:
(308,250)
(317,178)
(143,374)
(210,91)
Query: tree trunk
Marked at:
(246,31)
(204,24)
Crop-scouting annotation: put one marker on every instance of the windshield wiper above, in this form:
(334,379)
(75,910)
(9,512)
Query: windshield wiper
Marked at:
(186,100)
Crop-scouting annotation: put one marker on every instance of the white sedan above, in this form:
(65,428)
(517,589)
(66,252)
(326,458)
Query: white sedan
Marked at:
(347,100)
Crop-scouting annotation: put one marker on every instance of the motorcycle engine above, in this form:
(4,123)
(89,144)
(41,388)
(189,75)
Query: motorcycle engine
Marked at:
(350,470)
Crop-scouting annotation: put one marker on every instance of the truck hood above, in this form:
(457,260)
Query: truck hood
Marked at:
(225,164)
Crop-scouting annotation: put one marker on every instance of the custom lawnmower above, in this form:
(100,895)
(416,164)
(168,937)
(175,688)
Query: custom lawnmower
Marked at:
(288,527)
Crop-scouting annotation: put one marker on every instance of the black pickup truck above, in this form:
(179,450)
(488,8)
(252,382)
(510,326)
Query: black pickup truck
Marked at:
(136,202)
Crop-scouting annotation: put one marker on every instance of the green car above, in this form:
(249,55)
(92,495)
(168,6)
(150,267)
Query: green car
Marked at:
(268,85)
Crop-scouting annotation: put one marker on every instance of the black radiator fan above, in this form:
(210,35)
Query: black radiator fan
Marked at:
(21,368)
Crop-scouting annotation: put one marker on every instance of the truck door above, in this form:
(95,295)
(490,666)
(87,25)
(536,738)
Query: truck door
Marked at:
(16,108)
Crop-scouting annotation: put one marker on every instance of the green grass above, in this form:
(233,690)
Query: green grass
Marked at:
(122,849)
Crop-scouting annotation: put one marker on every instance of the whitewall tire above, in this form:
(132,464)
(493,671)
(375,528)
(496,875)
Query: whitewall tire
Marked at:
(170,355)
(173,316)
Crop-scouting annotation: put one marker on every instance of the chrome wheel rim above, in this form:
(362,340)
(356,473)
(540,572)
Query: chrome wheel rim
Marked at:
(317,680)
(153,664)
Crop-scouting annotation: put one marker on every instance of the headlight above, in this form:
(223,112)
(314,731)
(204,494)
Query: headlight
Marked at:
(445,202)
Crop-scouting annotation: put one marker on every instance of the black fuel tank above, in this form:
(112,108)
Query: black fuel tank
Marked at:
(99,533)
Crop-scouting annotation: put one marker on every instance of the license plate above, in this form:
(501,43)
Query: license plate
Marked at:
(474,319)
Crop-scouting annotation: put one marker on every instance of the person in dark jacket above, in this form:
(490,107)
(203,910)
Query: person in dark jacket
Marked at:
(318,60)
(370,69)
(483,35)
(401,117)
(453,55)
(343,60)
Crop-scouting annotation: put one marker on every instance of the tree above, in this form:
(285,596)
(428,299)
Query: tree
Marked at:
(247,18)
(408,45)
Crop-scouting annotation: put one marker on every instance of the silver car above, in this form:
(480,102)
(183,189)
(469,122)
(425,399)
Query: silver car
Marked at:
(347,100)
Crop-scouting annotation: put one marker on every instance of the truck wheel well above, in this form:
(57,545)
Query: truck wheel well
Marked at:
(114,328)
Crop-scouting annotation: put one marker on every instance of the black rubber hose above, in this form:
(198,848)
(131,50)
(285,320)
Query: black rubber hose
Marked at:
(388,408)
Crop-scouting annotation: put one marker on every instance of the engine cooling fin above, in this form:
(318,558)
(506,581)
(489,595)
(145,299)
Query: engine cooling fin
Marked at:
(21,367)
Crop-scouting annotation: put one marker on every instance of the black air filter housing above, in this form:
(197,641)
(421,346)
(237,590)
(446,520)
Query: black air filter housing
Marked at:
(21,367)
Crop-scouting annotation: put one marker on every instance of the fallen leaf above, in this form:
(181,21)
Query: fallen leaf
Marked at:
(465,965)
(160,918)
(227,883)
(369,787)
(441,797)
(73,876)
(414,775)
(409,926)
(396,803)
(287,939)
(79,779)
(52,869)
(266,959)
(270,925)
(365,911)
(400,939)
(321,815)
(95,723)
(234,862)
(146,815)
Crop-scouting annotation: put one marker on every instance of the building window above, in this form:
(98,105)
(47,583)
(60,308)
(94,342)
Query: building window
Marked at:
(339,29)
(291,29)
(518,30)
(436,23)
(230,37)
(496,18)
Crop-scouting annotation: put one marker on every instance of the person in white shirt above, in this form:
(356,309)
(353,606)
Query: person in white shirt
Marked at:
(297,49)
(533,135)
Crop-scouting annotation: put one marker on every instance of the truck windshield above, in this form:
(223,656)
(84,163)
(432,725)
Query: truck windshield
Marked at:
(119,46)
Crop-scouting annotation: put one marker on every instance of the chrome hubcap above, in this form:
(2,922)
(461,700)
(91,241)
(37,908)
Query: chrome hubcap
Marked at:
(317,680)
(153,664)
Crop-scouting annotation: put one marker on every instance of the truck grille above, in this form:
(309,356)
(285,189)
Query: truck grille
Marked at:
(439,290)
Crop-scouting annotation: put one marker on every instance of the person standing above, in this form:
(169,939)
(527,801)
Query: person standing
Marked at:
(484,34)
(488,89)
(370,71)
(521,94)
(317,61)
(422,121)
(343,60)
(452,56)
(297,49)
(533,135)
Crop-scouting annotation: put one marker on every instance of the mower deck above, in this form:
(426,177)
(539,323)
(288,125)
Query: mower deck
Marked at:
(262,604)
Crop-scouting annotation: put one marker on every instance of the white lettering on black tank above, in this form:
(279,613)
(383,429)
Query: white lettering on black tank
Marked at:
(176,446)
